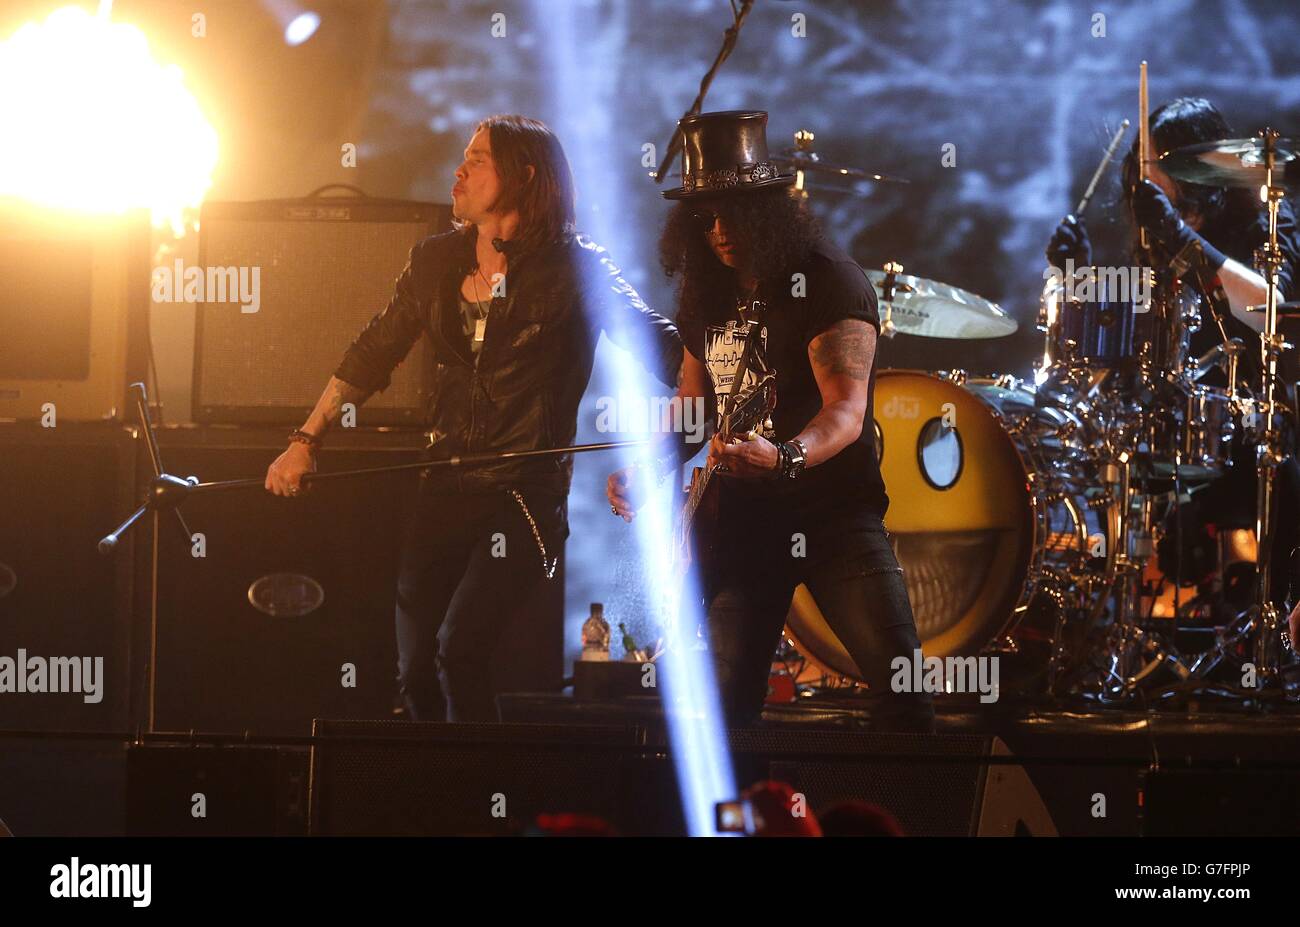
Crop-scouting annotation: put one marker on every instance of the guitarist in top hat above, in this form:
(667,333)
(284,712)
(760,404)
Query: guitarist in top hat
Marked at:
(799,497)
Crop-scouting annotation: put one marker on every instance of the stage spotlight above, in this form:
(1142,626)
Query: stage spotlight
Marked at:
(92,120)
(298,23)
(685,675)
(302,28)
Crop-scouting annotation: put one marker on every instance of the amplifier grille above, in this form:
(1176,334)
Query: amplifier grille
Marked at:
(320,283)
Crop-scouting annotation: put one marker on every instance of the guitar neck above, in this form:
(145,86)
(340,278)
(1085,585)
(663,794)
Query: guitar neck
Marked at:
(696,494)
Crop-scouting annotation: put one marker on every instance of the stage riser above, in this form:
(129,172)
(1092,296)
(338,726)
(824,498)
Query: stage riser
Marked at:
(445,778)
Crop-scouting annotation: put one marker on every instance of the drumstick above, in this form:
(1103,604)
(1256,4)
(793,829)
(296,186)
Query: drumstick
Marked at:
(1101,168)
(1144,136)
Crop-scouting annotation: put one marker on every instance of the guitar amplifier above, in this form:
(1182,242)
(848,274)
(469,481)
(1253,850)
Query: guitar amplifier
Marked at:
(310,274)
(73,312)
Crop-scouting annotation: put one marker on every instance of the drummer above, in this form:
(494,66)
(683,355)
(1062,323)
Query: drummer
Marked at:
(1229,224)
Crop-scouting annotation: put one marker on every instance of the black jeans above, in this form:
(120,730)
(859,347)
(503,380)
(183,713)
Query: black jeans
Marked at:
(468,561)
(849,567)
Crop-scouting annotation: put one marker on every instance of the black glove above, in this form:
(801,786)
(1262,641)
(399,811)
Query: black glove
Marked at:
(1165,227)
(1070,240)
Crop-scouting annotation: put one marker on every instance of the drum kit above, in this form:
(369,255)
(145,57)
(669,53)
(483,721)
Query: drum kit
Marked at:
(1029,515)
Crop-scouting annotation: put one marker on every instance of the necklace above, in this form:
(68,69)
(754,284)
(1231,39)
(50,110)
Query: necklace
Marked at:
(480,323)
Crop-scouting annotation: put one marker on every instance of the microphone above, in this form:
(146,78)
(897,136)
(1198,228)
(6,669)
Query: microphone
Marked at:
(503,246)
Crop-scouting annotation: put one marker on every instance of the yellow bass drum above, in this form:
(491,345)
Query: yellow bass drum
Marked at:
(990,514)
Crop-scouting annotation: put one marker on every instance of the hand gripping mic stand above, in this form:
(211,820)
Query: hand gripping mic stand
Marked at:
(167,493)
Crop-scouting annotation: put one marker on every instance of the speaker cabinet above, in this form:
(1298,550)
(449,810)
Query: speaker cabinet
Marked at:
(73,311)
(324,267)
(52,787)
(279,610)
(242,642)
(61,490)
(935,785)
(1221,803)
(215,791)
(398,778)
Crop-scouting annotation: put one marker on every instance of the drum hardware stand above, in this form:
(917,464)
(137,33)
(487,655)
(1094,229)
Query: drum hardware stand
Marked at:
(889,288)
(1053,586)
(1132,653)
(1260,625)
(1125,636)
(167,493)
(1264,619)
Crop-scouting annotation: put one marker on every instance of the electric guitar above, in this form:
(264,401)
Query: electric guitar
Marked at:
(695,536)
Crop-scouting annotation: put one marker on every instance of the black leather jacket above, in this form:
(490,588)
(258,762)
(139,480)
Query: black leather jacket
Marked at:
(535,359)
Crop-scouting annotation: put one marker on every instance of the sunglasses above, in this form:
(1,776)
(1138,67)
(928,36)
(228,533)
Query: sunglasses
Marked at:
(704,218)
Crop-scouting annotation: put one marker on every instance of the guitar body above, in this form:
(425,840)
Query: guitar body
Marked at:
(698,536)
(699,543)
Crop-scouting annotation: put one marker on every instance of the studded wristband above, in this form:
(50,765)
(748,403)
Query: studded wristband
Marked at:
(304,437)
(795,455)
(782,462)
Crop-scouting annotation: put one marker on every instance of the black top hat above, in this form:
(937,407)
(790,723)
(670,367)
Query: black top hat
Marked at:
(725,153)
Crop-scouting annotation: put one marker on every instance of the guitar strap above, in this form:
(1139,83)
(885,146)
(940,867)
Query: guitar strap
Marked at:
(753,320)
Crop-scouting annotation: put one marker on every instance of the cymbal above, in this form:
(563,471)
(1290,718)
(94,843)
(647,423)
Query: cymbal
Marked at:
(799,160)
(932,309)
(1230,162)
(859,188)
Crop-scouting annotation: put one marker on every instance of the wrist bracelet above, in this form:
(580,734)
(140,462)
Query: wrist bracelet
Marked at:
(303,437)
(782,461)
(796,458)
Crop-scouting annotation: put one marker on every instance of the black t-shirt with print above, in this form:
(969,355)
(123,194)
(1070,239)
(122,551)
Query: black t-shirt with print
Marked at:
(834,288)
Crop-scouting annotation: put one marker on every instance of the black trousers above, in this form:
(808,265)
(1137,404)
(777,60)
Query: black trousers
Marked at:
(849,567)
(468,560)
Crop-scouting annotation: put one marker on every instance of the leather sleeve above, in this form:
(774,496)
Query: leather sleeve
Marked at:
(627,320)
(390,335)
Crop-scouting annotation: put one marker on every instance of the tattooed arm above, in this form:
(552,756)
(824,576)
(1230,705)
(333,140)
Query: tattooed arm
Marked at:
(329,408)
(841,360)
(287,470)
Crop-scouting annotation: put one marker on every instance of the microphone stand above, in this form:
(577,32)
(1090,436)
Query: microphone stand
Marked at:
(167,493)
(728,43)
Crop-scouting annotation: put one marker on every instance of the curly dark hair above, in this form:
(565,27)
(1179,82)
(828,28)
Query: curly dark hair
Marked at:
(775,228)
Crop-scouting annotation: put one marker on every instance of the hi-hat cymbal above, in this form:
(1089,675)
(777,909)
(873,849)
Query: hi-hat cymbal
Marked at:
(936,310)
(1231,162)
